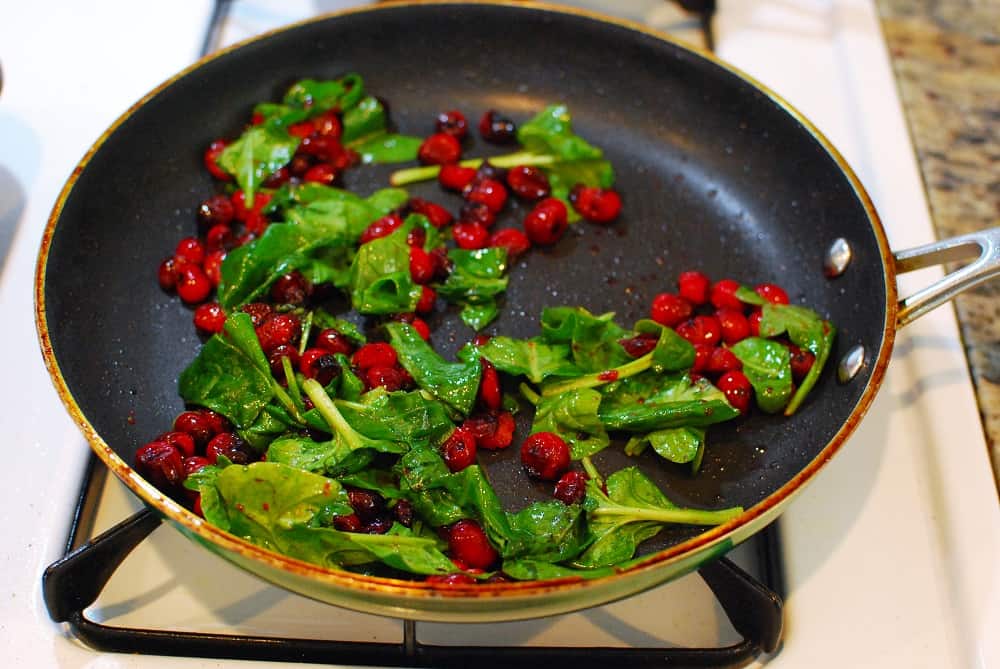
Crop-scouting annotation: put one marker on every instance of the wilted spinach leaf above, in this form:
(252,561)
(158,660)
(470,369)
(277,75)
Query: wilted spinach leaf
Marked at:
(573,416)
(454,383)
(768,366)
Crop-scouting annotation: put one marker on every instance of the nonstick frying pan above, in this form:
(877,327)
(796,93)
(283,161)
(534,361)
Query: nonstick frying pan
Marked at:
(717,173)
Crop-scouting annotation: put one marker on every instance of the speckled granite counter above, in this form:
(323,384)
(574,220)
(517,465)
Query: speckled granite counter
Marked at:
(946,56)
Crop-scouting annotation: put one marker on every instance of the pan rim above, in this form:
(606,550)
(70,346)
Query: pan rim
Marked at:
(416,590)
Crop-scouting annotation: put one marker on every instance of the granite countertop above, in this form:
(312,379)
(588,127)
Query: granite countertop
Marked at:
(946,57)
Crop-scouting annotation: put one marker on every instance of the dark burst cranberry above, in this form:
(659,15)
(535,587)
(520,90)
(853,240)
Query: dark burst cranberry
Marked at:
(193,286)
(403,513)
(737,389)
(258,312)
(488,170)
(209,318)
(316,363)
(722,360)
(216,421)
(470,236)
(318,147)
(211,157)
(422,266)
(390,378)
(282,351)
(571,488)
(167,274)
(439,149)
(216,210)
(459,450)
(348,523)
(379,525)
(735,326)
(490,192)
(437,215)
(545,455)
(528,183)
(723,295)
(291,288)
(512,239)
(182,441)
(320,173)
(493,430)
(597,205)
(376,354)
(490,394)
(802,361)
(299,165)
(547,222)
(452,123)
(161,464)
(427,299)
(231,446)
(367,504)
(450,579)
(279,329)
(332,341)
(669,309)
(455,177)
(381,228)
(496,129)
(278,178)
(773,293)
(468,542)
(639,345)
(701,330)
(476,212)
(416,237)
(481,339)
(693,286)
(219,237)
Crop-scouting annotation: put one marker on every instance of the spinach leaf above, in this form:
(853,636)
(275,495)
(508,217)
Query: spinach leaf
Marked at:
(334,458)
(341,214)
(323,320)
(593,340)
(679,444)
(475,281)
(538,570)
(749,296)
(551,132)
(404,417)
(807,330)
(376,480)
(532,358)
(550,531)
(672,352)
(454,383)
(258,153)
(321,96)
(651,402)
(380,281)
(768,366)
(365,131)
(203,482)
(573,416)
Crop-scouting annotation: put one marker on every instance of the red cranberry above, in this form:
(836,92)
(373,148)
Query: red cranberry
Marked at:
(737,389)
(481,339)
(669,309)
(209,318)
(291,288)
(452,123)
(238,199)
(490,394)
(258,312)
(597,205)
(168,273)
(422,266)
(459,449)
(182,441)
(427,299)
(328,125)
(390,378)
(702,356)
(404,513)
(332,341)
(639,345)
(693,286)
(161,464)
(378,525)
(571,488)
(528,183)
(488,170)
(381,228)
(299,165)
(320,173)
(723,295)
(278,178)
(219,237)
(318,364)
(722,360)
(378,354)
(256,118)
(302,130)
(545,455)
(194,464)
(440,149)
(496,129)
(416,237)
(772,293)
(802,361)
(450,579)
(754,321)
(470,235)
(368,505)
(213,266)
(490,192)
(230,445)
(279,329)
(701,330)
(455,177)
(319,147)
(212,154)
(493,431)
(735,326)
(348,523)
(420,325)
(547,222)
(193,286)
(216,210)
(512,239)
(254,225)
(279,352)
(435,213)
(476,212)
(468,542)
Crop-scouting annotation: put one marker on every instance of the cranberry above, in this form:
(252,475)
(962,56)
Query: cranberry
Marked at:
(390,378)
(512,239)
(278,178)
(639,345)
(279,329)
(547,222)
(481,339)
(319,147)
(416,237)
(302,129)
(693,286)
(440,149)
(299,165)
(378,525)
(735,326)
(468,542)
(328,125)
(182,441)
(490,192)
(772,293)
(490,394)
(378,354)
(216,210)
(477,212)
(381,228)
(427,299)
(722,360)
(459,449)
(256,118)
(528,183)
(496,129)
(219,237)
(802,361)
(571,488)
(455,177)
(332,341)
(168,273)
(488,170)
(452,123)
(209,318)
(470,235)
(701,330)
(403,512)
(230,445)
(545,455)
(213,266)
(194,464)
(348,523)
(192,284)
(368,505)
(212,154)
(320,173)
(279,352)
(493,431)
(737,389)
(420,325)
(238,199)
(435,213)
(254,224)
(450,579)
(161,464)
(669,309)
(754,321)
(318,364)
(702,356)
(597,205)
(422,266)
(723,295)
(291,288)
(258,312)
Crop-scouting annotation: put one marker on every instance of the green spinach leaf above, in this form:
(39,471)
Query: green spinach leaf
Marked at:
(532,358)
(258,153)
(573,416)
(454,383)
(768,366)
(380,281)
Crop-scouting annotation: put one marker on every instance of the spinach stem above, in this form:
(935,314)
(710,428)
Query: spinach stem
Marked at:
(529,394)
(595,476)
(334,419)
(677,516)
(293,382)
(600,378)
(425,173)
(810,380)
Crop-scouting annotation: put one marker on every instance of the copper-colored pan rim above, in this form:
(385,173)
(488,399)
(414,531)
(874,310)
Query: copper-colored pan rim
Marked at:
(418,590)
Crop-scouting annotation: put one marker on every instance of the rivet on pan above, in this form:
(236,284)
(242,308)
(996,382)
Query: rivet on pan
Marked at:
(838,257)
(851,364)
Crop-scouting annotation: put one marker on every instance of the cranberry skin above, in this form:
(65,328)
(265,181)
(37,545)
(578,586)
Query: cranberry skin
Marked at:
(702,356)
(737,389)
(209,318)
(435,213)
(216,421)
(194,464)
(440,149)
(420,325)
(427,299)
(213,266)
(459,449)
(277,330)
(328,125)
(368,505)
(490,394)
(693,286)
(422,266)
(316,363)
(167,274)
(378,354)
(735,326)
(403,513)
(299,165)
(230,445)
(456,177)
(528,183)
(160,463)
(545,456)
(390,378)
(216,210)
(490,192)
(488,170)
(754,321)
(238,199)
(381,228)
(321,173)
(723,295)
(218,237)
(416,237)
(258,312)
(772,293)
(512,239)
(450,579)
(332,341)
(802,361)
(275,356)
(496,129)
(348,523)
(493,432)
(292,288)
(182,441)
(212,154)
(547,222)
(669,309)
(278,178)
(701,330)
(468,542)
(477,212)
(639,345)
(193,286)
(379,525)
(470,236)
(722,360)
(452,123)
(597,205)
(571,488)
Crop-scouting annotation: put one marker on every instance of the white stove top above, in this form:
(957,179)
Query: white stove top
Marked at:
(891,554)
